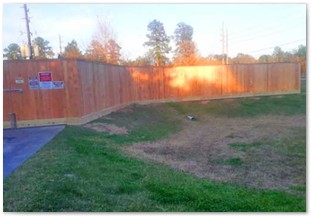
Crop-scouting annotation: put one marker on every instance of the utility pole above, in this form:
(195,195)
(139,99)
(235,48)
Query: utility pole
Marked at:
(223,41)
(227,42)
(60,45)
(28,31)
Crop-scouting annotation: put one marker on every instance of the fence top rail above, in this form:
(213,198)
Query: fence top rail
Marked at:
(132,66)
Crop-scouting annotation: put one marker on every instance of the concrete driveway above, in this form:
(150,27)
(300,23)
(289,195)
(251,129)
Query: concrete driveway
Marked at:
(20,143)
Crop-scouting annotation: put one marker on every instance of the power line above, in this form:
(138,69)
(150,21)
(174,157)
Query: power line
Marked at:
(267,48)
(283,18)
(223,41)
(261,36)
(239,35)
(227,42)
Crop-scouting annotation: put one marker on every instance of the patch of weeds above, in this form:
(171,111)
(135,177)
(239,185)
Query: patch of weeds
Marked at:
(232,136)
(294,145)
(103,120)
(235,161)
(298,188)
(244,147)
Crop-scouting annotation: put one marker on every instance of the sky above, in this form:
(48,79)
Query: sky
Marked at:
(253,29)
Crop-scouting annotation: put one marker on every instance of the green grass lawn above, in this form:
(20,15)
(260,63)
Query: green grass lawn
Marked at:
(84,170)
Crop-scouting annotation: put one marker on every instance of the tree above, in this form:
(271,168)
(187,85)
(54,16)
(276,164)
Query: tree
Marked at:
(278,54)
(301,57)
(183,32)
(45,51)
(158,42)
(186,52)
(265,59)
(104,47)
(113,52)
(104,33)
(243,59)
(12,52)
(301,52)
(215,59)
(288,57)
(72,50)
(96,52)
(145,60)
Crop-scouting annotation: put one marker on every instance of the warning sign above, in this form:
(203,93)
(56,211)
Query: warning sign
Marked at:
(45,81)
(45,76)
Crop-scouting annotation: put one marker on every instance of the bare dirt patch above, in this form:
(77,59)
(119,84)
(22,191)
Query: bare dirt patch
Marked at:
(235,150)
(204,102)
(107,128)
(126,109)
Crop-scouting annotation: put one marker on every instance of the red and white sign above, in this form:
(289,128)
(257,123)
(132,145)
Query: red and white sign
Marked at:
(45,76)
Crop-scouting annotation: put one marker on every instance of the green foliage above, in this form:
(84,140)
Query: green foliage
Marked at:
(278,53)
(243,59)
(72,50)
(301,55)
(265,59)
(45,51)
(245,146)
(183,32)
(293,147)
(299,188)
(235,161)
(158,42)
(12,52)
(301,52)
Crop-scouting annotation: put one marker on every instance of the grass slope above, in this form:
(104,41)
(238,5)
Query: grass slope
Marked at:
(82,170)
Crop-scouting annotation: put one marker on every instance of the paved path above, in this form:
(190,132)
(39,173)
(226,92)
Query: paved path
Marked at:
(19,144)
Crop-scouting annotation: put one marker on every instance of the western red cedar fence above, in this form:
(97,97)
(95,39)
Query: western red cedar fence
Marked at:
(68,91)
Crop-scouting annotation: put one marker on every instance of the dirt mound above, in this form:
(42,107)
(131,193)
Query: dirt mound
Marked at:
(107,128)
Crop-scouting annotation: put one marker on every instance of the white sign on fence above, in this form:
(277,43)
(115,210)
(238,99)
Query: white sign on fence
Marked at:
(58,84)
(33,83)
(46,85)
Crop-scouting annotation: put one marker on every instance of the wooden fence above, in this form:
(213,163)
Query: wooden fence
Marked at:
(76,91)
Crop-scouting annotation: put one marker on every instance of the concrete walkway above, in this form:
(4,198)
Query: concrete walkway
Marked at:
(19,144)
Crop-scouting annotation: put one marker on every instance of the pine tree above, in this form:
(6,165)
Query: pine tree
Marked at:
(158,42)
